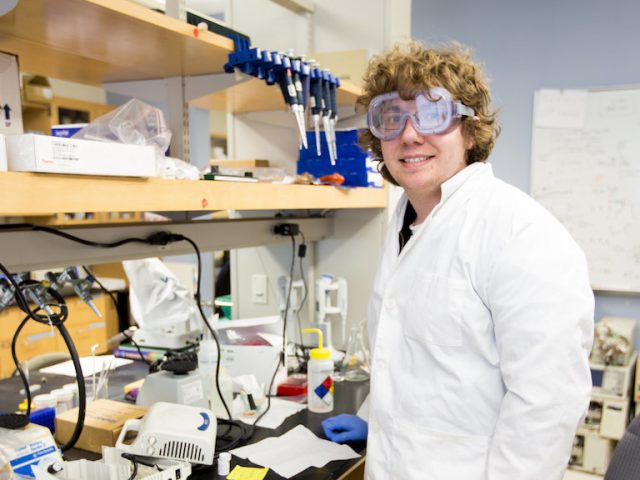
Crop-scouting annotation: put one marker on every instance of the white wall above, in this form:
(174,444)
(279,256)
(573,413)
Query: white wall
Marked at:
(270,26)
(526,46)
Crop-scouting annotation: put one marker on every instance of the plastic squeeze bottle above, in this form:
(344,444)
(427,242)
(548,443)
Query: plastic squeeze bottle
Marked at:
(319,377)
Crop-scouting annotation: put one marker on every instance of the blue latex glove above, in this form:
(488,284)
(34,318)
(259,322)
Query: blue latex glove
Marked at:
(345,428)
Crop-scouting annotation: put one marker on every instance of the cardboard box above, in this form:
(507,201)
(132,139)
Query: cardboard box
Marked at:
(23,448)
(238,163)
(42,153)
(103,421)
(37,89)
(10,106)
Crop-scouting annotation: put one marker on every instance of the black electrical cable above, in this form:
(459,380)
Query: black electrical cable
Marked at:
(164,238)
(140,461)
(23,376)
(82,394)
(284,332)
(158,238)
(302,251)
(55,320)
(247,431)
(301,254)
(135,344)
(134,460)
(230,438)
(104,289)
(89,243)
(206,321)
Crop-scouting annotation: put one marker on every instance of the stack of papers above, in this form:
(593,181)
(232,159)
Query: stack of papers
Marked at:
(90,365)
(295,451)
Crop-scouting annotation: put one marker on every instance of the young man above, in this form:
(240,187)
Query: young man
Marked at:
(481,315)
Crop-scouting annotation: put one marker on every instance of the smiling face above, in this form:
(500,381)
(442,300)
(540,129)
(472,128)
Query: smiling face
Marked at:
(421,163)
(411,67)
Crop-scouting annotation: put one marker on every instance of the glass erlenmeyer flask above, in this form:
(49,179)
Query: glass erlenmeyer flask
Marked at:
(355,364)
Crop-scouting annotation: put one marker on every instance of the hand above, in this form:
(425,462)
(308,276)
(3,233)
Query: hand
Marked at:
(345,428)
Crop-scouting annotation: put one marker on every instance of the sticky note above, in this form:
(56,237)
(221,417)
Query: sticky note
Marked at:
(247,473)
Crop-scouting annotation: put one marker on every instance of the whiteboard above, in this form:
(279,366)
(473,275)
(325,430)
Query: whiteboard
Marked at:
(585,169)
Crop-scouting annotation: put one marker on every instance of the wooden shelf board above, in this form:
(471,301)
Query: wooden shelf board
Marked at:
(27,194)
(256,96)
(27,105)
(96,41)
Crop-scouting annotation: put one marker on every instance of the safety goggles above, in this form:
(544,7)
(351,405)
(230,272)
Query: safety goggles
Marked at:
(431,112)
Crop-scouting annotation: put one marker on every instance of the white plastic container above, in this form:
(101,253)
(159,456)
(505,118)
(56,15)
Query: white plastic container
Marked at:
(44,400)
(224,464)
(73,388)
(319,377)
(64,399)
(207,361)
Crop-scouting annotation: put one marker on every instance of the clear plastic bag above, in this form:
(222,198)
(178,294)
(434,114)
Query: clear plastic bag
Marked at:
(138,123)
(134,123)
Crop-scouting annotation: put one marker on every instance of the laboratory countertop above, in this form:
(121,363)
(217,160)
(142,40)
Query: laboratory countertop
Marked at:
(348,397)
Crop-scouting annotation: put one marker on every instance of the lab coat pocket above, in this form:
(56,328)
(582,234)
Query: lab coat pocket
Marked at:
(436,316)
(432,455)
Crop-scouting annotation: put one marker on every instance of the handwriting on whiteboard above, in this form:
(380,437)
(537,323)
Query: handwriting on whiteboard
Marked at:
(589,178)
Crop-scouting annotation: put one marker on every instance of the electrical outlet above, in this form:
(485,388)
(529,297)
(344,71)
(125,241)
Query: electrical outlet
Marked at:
(259,288)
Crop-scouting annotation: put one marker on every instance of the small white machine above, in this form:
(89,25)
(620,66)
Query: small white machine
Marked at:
(591,453)
(607,417)
(163,308)
(613,381)
(331,300)
(113,466)
(613,364)
(164,386)
(176,432)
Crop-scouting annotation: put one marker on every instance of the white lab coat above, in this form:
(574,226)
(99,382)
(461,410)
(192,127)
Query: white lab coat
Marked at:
(480,332)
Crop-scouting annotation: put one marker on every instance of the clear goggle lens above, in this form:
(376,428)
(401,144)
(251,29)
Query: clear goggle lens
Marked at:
(430,112)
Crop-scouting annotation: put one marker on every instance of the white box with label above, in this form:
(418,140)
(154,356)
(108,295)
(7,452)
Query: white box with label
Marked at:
(591,452)
(23,448)
(252,346)
(10,104)
(615,418)
(43,153)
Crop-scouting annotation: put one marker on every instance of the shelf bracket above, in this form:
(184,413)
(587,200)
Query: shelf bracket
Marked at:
(178,120)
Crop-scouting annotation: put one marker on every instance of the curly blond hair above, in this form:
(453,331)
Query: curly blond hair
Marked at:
(412,67)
